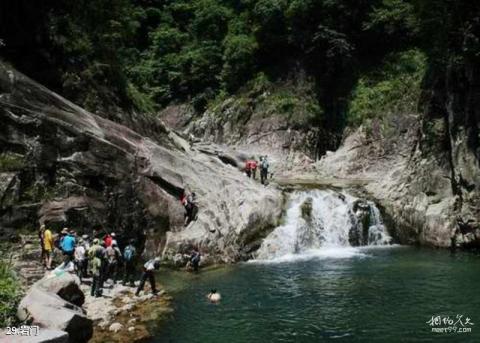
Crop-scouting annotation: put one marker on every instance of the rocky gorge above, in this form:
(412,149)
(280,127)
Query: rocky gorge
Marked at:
(64,166)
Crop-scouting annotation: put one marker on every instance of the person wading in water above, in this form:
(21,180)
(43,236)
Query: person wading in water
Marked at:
(194,261)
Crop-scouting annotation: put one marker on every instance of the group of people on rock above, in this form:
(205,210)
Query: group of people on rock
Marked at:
(99,257)
(252,165)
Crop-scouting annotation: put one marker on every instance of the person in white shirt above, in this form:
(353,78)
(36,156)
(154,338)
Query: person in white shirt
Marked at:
(149,273)
(80,260)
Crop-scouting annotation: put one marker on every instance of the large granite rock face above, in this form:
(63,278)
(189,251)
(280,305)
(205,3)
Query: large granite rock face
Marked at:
(76,169)
(250,123)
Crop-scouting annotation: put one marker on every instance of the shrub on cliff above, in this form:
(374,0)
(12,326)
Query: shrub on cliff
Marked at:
(393,88)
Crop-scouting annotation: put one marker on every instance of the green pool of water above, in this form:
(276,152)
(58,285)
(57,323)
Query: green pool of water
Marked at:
(372,295)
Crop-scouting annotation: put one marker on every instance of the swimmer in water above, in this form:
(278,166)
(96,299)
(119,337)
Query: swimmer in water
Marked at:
(214,297)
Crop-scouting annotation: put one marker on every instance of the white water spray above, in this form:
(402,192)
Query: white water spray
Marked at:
(324,223)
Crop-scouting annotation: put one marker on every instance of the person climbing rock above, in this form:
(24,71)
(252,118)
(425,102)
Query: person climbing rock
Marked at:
(189,201)
(263,169)
(68,246)
(192,200)
(48,245)
(214,296)
(253,167)
(183,200)
(149,273)
(96,268)
(113,257)
(195,260)
(248,171)
(129,257)
(81,262)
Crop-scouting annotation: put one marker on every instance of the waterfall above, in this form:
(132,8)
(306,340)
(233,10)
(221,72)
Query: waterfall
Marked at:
(324,220)
(377,233)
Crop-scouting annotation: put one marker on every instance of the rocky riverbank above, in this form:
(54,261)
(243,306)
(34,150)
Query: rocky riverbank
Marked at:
(120,316)
(117,316)
(64,311)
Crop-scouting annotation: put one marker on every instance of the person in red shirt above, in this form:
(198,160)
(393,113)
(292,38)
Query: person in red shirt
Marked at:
(247,168)
(108,240)
(253,168)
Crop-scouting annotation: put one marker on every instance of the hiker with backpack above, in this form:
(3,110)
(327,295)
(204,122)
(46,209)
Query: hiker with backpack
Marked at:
(113,259)
(67,245)
(263,169)
(96,257)
(96,268)
(129,255)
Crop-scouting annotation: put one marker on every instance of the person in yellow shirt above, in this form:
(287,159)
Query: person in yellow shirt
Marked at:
(48,247)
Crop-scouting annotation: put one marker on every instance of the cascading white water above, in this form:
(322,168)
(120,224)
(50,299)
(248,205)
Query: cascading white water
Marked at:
(322,221)
(377,233)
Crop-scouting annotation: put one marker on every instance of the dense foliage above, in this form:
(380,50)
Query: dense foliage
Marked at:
(145,54)
(393,88)
(9,295)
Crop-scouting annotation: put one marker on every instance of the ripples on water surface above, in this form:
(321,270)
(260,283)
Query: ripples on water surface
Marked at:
(354,295)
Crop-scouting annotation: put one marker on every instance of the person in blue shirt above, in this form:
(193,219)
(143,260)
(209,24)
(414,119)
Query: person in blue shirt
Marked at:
(68,246)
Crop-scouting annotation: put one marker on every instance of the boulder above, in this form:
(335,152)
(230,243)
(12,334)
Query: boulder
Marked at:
(63,284)
(49,311)
(115,327)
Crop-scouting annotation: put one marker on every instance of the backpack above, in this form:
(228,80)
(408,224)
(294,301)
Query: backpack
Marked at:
(129,253)
(264,163)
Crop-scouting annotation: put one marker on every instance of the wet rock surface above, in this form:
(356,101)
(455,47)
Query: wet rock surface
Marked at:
(120,316)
